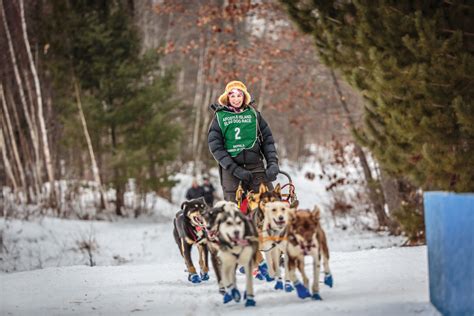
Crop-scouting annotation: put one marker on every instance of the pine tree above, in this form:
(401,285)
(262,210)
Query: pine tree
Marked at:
(413,63)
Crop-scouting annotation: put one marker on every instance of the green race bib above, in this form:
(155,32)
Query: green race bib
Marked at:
(239,130)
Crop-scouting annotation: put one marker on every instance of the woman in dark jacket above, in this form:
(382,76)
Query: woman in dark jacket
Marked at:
(241,142)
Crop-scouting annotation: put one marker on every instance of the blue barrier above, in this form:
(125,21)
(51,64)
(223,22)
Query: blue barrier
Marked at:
(449,219)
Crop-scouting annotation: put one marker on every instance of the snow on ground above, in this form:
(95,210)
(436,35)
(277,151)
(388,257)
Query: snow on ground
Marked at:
(371,282)
(139,268)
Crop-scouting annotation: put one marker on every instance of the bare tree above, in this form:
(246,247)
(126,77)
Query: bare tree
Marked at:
(95,168)
(39,101)
(12,139)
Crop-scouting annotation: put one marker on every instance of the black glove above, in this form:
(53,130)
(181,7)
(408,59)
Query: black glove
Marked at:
(272,172)
(243,174)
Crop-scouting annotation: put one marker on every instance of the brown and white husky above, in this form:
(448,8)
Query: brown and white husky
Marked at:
(307,238)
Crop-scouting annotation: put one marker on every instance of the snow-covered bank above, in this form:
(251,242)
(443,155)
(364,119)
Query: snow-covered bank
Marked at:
(371,282)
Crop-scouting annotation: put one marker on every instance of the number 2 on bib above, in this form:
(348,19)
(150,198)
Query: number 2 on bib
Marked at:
(237,132)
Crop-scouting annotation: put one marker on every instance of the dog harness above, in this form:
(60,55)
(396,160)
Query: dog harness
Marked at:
(277,239)
(198,234)
(239,130)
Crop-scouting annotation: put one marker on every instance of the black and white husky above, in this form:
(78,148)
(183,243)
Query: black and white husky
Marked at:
(237,245)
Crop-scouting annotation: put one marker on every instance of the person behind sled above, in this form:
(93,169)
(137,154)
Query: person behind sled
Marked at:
(241,141)
(195,191)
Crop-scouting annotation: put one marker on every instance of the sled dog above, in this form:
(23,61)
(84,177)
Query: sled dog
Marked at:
(307,238)
(273,240)
(237,244)
(257,201)
(189,230)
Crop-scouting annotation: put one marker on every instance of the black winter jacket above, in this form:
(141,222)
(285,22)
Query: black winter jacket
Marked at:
(263,148)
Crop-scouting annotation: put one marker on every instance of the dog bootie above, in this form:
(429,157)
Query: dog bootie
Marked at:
(259,276)
(328,279)
(301,290)
(204,276)
(263,268)
(316,297)
(242,270)
(222,291)
(235,294)
(288,287)
(279,285)
(227,297)
(250,301)
(194,278)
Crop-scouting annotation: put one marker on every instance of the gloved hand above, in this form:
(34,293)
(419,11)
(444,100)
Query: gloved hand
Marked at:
(272,172)
(243,174)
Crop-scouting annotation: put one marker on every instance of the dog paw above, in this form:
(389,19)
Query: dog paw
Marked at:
(242,270)
(288,287)
(279,285)
(222,291)
(328,279)
(302,291)
(250,302)
(263,268)
(269,278)
(236,295)
(227,298)
(316,297)
(204,276)
(194,278)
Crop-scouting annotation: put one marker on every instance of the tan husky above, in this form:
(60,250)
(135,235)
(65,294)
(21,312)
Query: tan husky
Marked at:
(273,240)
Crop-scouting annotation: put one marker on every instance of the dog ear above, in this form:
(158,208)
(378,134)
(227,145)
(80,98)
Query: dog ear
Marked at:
(277,189)
(262,189)
(184,205)
(316,214)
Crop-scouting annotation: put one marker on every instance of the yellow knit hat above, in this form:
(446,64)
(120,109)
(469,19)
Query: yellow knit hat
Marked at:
(234,85)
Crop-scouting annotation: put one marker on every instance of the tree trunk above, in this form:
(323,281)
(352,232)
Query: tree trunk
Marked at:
(8,167)
(12,140)
(198,96)
(373,185)
(31,127)
(95,168)
(39,100)
(119,190)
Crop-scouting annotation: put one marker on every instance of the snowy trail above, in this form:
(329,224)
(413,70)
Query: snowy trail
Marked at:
(371,282)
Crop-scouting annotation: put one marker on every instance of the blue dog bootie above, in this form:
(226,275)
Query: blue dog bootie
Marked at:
(263,269)
(249,301)
(279,284)
(242,270)
(231,294)
(235,294)
(259,276)
(194,278)
(288,287)
(301,290)
(204,276)
(328,279)
(227,297)
(316,297)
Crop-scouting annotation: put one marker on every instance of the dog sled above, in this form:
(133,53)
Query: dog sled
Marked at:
(242,197)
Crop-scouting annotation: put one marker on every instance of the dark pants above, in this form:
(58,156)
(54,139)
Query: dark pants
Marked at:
(230,183)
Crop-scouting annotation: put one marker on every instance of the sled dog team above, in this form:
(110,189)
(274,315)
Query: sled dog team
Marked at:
(271,226)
